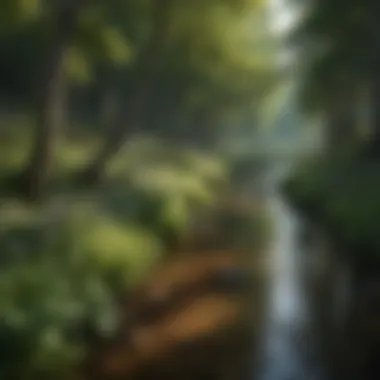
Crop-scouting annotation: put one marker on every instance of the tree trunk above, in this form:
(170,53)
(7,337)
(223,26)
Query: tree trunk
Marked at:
(49,109)
(109,105)
(375,79)
(108,96)
(342,120)
(147,67)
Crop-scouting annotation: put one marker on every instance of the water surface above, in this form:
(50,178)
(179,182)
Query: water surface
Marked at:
(289,348)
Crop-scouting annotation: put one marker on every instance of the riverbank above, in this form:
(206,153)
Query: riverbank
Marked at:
(341,199)
(90,245)
(199,314)
(197,325)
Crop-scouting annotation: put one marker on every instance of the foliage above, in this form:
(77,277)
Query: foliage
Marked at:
(47,291)
(63,264)
(332,40)
(215,58)
(342,195)
(65,260)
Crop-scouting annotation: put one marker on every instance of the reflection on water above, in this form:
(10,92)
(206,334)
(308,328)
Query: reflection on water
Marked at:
(289,349)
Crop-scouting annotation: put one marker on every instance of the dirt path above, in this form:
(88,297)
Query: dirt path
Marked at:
(188,325)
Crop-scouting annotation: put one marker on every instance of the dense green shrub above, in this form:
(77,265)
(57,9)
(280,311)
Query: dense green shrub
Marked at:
(344,195)
(44,296)
(62,262)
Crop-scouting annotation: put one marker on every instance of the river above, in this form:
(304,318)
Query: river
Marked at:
(290,348)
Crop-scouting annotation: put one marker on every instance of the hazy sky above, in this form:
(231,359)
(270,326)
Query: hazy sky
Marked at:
(283,16)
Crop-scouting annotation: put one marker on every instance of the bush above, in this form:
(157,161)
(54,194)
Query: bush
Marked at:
(61,269)
(344,195)
(45,295)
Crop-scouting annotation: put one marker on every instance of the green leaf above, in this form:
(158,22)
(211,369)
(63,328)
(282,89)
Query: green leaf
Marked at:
(116,46)
(176,212)
(16,14)
(78,66)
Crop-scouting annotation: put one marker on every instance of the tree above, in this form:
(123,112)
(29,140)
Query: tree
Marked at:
(51,96)
(325,90)
(334,42)
(146,66)
(70,38)
(199,56)
(197,32)
(375,72)
(54,25)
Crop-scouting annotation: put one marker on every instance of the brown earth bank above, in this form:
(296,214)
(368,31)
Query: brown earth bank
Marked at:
(196,318)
